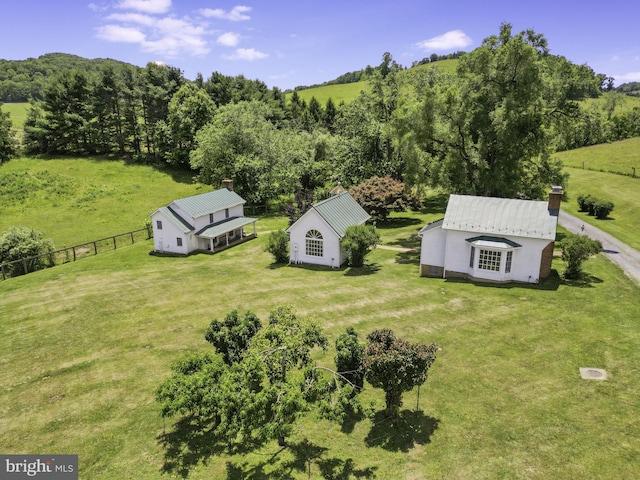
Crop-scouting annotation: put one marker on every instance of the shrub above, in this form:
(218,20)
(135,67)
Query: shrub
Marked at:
(21,242)
(602,209)
(575,250)
(583,202)
(278,246)
(357,242)
(381,195)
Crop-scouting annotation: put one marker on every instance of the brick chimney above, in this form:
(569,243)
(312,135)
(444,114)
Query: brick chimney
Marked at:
(228,184)
(555,195)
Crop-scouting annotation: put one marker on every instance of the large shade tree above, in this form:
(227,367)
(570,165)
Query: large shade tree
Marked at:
(495,120)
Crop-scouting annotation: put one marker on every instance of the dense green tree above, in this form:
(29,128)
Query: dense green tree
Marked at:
(396,366)
(190,109)
(358,241)
(349,358)
(22,243)
(241,143)
(8,144)
(498,116)
(232,335)
(576,249)
(261,393)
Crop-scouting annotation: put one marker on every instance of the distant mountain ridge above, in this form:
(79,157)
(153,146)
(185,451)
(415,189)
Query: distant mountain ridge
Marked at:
(21,80)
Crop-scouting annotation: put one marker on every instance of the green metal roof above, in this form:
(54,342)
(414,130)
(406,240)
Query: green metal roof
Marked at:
(227,225)
(500,216)
(341,211)
(176,219)
(206,203)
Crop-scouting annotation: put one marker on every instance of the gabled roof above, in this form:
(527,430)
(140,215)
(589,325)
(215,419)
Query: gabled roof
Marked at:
(431,226)
(340,211)
(500,216)
(209,202)
(175,219)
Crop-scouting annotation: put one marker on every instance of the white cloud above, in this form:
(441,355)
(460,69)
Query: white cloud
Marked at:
(147,6)
(117,33)
(627,77)
(160,34)
(248,54)
(446,41)
(229,39)
(140,19)
(236,14)
(615,58)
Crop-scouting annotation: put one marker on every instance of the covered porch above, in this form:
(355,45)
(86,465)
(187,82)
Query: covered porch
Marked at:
(224,234)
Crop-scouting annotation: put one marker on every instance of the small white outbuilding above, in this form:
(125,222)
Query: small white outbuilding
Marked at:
(492,239)
(317,235)
(205,222)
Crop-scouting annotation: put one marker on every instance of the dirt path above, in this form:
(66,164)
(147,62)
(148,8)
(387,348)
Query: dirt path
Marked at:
(626,257)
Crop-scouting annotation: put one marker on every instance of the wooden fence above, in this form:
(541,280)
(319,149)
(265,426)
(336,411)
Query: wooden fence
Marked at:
(71,254)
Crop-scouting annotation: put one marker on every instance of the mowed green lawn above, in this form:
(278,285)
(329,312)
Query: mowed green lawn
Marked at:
(617,157)
(84,346)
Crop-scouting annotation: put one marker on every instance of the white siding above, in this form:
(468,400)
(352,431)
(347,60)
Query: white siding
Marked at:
(432,247)
(219,215)
(525,265)
(332,254)
(165,240)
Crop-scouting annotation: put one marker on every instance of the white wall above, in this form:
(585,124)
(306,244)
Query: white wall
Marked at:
(332,255)
(203,221)
(525,264)
(165,240)
(432,247)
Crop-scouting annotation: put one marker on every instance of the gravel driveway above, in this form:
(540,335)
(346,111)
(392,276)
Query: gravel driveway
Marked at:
(626,257)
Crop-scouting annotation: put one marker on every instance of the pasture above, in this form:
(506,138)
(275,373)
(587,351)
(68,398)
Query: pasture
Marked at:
(85,344)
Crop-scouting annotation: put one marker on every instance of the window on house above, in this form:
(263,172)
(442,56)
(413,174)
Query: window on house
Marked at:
(211,218)
(179,241)
(507,267)
(314,244)
(159,224)
(471,258)
(489,260)
(226,213)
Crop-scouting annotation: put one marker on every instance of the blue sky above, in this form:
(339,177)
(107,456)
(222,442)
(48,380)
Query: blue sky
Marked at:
(302,42)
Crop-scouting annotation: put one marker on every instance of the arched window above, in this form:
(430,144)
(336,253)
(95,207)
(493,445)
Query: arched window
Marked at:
(314,243)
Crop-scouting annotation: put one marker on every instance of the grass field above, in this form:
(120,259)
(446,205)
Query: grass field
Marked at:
(84,345)
(617,157)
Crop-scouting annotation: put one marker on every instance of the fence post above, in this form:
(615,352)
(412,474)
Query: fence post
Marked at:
(4,277)
(131,237)
(114,243)
(74,253)
(95,247)
(24,264)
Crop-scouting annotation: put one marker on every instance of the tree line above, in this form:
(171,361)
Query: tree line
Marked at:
(489,129)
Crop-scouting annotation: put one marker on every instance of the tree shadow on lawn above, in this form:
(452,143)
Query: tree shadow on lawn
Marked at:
(435,204)
(411,257)
(397,222)
(402,433)
(307,458)
(191,442)
(367,269)
(585,280)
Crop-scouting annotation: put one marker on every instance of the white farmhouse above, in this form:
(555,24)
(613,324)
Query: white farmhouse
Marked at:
(204,222)
(317,235)
(492,239)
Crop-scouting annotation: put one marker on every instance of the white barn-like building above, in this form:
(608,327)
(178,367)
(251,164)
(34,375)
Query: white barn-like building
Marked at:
(492,239)
(316,236)
(203,222)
